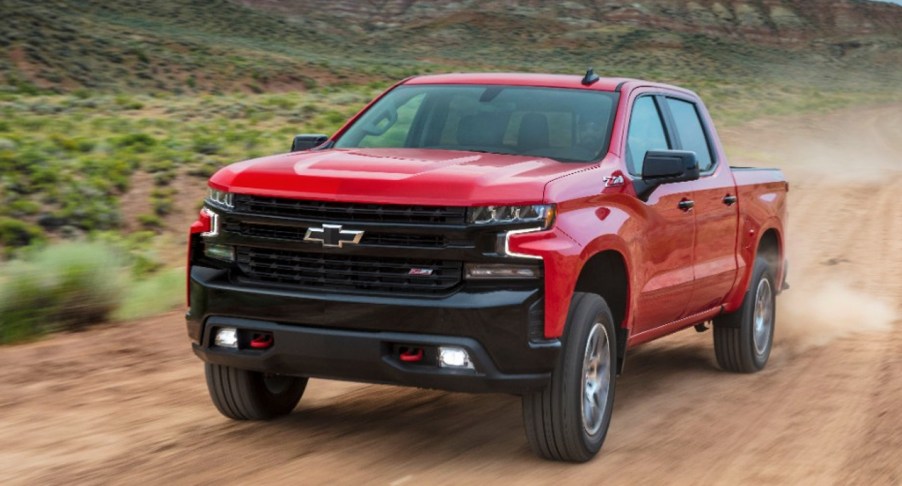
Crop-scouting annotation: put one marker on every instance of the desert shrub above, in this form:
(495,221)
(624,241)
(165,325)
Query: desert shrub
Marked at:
(136,250)
(150,221)
(85,284)
(157,293)
(88,208)
(334,117)
(162,200)
(309,109)
(23,303)
(21,207)
(163,178)
(205,168)
(15,233)
(283,102)
(127,103)
(62,287)
(159,165)
(144,264)
(139,142)
(309,83)
(349,98)
(206,144)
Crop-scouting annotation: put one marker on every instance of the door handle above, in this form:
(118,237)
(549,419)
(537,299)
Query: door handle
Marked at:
(729,199)
(686,204)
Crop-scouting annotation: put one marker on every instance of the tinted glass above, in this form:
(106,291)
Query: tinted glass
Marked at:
(646,133)
(394,132)
(569,125)
(690,132)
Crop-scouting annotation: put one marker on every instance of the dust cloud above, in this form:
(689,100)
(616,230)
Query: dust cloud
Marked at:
(814,314)
(845,173)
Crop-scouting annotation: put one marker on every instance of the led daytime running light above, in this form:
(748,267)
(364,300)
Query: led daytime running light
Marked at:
(219,198)
(537,213)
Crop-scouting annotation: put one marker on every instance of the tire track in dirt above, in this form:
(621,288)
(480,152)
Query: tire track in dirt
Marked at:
(874,456)
(879,241)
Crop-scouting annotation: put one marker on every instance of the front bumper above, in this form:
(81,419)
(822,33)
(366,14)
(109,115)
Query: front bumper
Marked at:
(356,337)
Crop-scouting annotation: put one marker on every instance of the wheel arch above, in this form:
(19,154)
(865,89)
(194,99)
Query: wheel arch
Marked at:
(770,247)
(606,274)
(768,241)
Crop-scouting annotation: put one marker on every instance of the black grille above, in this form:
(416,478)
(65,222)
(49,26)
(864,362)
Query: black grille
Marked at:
(402,239)
(370,238)
(340,212)
(343,272)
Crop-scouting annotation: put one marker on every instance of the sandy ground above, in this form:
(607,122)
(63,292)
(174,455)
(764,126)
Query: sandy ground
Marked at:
(128,404)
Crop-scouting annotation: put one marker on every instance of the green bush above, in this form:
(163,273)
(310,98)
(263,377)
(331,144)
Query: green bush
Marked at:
(23,303)
(22,207)
(150,221)
(160,292)
(137,250)
(16,233)
(139,142)
(163,178)
(62,287)
(162,206)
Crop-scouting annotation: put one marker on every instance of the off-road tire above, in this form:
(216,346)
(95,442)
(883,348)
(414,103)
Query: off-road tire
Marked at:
(251,395)
(553,417)
(737,346)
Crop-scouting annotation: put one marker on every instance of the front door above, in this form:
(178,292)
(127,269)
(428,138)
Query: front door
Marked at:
(666,274)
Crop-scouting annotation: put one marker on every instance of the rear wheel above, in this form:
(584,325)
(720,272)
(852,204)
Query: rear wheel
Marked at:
(743,339)
(251,395)
(568,420)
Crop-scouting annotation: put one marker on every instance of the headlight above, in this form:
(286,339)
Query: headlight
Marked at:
(219,198)
(537,213)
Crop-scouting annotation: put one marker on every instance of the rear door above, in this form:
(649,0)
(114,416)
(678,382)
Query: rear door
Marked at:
(665,272)
(716,208)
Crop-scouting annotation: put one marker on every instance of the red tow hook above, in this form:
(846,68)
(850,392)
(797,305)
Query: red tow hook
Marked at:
(411,355)
(262,341)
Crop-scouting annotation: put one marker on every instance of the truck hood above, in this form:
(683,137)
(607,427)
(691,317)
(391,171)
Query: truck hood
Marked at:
(396,176)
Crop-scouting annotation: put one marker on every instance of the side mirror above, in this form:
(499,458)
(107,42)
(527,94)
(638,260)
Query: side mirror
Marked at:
(307,141)
(664,167)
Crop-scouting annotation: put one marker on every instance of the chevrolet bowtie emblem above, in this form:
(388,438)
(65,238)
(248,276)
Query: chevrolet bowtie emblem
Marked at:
(332,235)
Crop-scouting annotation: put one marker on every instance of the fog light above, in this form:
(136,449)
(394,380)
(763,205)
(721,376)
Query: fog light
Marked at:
(489,271)
(454,357)
(226,337)
(220,252)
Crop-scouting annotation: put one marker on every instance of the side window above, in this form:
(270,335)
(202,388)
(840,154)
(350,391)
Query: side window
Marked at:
(690,132)
(646,133)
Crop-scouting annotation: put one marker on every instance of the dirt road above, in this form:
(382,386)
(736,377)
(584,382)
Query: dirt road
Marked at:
(127,403)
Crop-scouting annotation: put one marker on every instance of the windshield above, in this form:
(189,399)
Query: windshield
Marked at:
(568,125)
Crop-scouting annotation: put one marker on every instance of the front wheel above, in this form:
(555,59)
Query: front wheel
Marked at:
(743,339)
(568,420)
(251,395)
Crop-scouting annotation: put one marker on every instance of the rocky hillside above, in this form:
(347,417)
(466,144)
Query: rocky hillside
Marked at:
(780,22)
(277,45)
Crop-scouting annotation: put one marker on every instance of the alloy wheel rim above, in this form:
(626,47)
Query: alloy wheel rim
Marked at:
(596,381)
(763,317)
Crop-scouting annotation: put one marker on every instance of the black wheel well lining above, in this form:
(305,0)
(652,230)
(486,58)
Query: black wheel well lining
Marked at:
(605,274)
(769,248)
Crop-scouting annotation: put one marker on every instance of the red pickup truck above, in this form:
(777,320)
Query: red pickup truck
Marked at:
(514,233)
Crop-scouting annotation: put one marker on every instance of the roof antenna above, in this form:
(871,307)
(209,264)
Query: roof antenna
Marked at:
(590,77)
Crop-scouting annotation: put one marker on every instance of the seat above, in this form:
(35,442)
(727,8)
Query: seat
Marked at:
(481,130)
(533,132)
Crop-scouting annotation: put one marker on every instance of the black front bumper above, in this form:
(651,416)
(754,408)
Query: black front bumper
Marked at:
(356,337)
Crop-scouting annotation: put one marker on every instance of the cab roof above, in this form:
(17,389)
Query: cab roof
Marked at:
(538,80)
